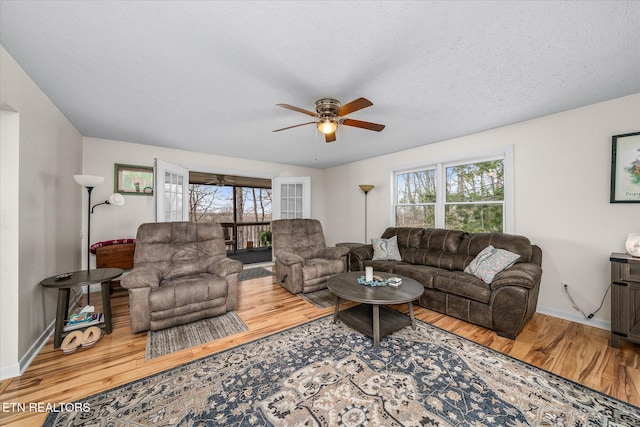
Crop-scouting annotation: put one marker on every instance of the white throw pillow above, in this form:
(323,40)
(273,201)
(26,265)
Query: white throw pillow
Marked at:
(489,262)
(386,249)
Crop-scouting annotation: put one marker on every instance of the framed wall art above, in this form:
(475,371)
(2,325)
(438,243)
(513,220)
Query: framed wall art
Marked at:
(130,179)
(625,168)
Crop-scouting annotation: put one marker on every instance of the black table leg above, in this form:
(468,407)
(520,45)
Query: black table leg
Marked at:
(335,314)
(376,325)
(411,316)
(62,311)
(106,306)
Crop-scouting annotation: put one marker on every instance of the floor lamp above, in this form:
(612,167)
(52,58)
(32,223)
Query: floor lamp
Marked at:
(366,189)
(88,182)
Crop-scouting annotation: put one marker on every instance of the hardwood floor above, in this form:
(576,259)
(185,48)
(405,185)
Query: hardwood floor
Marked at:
(575,351)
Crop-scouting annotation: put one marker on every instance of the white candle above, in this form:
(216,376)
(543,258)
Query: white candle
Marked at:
(368,274)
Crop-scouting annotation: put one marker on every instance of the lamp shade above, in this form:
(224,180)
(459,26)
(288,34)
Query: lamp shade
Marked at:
(116,199)
(88,180)
(366,188)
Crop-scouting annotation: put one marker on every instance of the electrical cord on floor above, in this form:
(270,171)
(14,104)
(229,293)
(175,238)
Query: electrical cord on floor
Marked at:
(590,316)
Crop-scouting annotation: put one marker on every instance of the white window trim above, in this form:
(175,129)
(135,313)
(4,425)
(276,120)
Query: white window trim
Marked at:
(160,168)
(276,208)
(505,153)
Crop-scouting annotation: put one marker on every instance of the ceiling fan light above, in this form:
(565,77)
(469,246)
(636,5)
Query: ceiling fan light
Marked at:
(326,126)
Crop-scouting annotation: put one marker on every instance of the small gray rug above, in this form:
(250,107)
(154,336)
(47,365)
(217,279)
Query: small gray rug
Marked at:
(322,299)
(253,273)
(166,341)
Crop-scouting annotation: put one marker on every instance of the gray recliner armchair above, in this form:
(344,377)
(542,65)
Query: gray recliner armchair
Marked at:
(303,260)
(180,274)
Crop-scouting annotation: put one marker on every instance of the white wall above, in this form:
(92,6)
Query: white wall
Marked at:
(113,222)
(562,166)
(43,228)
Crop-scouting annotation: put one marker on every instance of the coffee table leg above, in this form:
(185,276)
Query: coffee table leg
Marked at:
(106,306)
(61,314)
(376,325)
(411,316)
(335,314)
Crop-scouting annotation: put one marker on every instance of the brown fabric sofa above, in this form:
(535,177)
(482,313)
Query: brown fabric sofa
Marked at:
(304,263)
(181,274)
(436,258)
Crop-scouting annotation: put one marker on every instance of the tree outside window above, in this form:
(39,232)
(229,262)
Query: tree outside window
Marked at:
(416,198)
(215,203)
(473,198)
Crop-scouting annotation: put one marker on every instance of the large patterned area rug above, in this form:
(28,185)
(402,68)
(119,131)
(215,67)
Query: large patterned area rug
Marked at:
(325,374)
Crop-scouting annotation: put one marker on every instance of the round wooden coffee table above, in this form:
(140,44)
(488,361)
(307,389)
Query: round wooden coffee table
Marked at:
(369,317)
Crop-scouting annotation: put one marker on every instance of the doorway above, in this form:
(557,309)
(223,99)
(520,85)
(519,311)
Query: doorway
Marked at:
(241,205)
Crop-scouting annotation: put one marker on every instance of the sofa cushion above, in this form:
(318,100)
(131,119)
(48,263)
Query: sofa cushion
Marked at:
(473,244)
(489,262)
(179,248)
(185,290)
(441,240)
(462,284)
(315,268)
(421,273)
(437,248)
(382,265)
(386,249)
(303,237)
(408,237)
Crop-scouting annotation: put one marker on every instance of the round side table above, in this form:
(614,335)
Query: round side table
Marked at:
(81,278)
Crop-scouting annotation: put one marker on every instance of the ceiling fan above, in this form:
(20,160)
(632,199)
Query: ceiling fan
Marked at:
(329,114)
(220,180)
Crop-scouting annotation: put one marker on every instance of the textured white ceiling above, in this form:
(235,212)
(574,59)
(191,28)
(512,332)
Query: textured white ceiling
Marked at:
(206,75)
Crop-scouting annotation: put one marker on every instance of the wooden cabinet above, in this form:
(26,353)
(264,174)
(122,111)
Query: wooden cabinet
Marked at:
(625,298)
(115,256)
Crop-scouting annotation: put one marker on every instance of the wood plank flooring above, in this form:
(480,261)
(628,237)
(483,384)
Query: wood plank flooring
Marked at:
(578,352)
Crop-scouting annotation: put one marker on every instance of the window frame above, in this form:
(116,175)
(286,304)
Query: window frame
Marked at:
(440,165)
(394,180)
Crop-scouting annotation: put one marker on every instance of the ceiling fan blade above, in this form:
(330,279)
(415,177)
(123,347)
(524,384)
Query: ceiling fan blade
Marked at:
(294,126)
(330,137)
(352,106)
(364,125)
(298,109)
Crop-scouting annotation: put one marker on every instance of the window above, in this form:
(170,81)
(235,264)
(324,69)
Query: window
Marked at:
(242,205)
(171,186)
(416,198)
(464,195)
(292,197)
(475,196)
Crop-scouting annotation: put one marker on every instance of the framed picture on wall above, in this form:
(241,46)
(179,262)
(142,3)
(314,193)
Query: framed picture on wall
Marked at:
(625,168)
(130,179)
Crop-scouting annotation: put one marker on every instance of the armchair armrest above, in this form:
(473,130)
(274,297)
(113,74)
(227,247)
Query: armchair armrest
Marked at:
(287,258)
(335,252)
(358,255)
(363,252)
(524,275)
(225,267)
(142,277)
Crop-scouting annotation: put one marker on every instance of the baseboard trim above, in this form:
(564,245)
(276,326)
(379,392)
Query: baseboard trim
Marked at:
(18,369)
(597,323)
(10,371)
